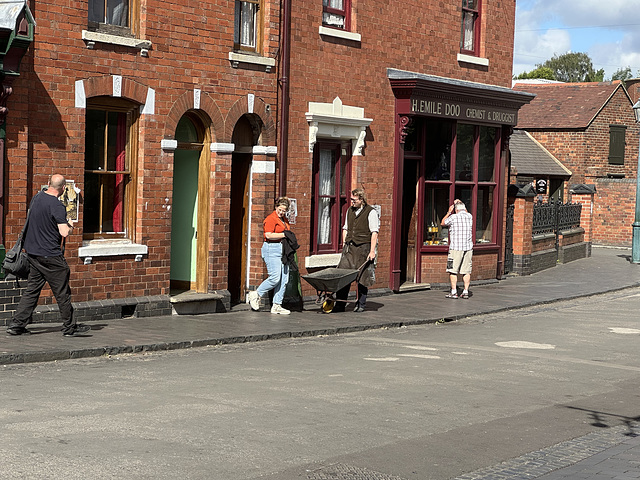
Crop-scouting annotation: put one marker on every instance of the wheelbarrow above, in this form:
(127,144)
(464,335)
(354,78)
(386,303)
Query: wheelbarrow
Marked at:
(329,281)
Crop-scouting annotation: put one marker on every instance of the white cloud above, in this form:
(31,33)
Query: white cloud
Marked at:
(548,27)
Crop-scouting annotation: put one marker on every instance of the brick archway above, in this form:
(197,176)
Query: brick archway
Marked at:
(106,85)
(185,103)
(261,109)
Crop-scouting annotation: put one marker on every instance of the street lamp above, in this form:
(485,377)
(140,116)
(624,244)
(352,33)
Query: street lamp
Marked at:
(635,244)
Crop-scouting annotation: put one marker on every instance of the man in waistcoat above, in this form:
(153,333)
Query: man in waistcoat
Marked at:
(360,241)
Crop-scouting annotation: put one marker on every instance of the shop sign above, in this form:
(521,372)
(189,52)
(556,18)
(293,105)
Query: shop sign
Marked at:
(462,111)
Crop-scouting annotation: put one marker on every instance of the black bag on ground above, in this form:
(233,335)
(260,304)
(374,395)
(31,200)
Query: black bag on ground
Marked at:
(15,261)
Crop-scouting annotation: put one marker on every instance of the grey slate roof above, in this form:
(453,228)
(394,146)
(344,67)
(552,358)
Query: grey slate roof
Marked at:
(530,158)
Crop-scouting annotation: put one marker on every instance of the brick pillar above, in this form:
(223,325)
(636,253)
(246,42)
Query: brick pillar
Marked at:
(584,194)
(522,233)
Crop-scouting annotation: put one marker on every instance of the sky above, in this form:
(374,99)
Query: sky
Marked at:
(606,30)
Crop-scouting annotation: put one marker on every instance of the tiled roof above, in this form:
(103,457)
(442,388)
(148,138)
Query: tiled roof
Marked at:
(531,158)
(564,105)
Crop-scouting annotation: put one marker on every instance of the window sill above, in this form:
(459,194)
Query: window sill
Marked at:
(336,33)
(319,261)
(237,58)
(92,37)
(483,62)
(111,248)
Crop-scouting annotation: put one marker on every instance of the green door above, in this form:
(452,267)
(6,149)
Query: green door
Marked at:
(184,219)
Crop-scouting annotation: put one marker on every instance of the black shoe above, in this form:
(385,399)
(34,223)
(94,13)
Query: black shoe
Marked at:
(358,309)
(76,330)
(18,331)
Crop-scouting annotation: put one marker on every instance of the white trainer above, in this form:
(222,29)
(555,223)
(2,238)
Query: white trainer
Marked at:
(254,300)
(277,309)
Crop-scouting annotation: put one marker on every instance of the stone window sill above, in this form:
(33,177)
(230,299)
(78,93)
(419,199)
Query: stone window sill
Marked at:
(337,33)
(483,62)
(92,37)
(111,248)
(239,58)
(319,261)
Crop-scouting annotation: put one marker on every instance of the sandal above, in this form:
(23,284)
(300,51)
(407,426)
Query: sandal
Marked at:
(451,295)
(464,295)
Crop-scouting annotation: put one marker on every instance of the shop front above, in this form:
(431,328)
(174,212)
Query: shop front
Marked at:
(451,143)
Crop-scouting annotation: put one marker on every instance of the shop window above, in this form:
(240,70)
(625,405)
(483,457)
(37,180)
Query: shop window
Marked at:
(474,165)
(470,31)
(336,14)
(117,17)
(247,26)
(617,144)
(111,132)
(332,167)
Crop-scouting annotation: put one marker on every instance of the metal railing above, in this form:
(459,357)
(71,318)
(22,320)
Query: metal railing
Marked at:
(553,216)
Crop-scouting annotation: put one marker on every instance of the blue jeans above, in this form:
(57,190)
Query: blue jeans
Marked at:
(278,272)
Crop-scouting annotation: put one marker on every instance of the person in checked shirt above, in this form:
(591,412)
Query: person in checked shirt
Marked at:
(460,223)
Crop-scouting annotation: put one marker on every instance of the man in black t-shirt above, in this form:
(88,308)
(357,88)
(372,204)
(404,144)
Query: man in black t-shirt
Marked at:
(43,242)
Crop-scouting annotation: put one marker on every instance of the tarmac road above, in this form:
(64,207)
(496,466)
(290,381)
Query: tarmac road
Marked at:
(420,402)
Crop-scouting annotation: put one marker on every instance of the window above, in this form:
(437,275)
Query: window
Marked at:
(336,13)
(117,17)
(111,134)
(247,26)
(332,181)
(472,153)
(470,36)
(616,144)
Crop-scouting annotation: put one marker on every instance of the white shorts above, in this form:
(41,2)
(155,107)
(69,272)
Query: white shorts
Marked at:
(459,262)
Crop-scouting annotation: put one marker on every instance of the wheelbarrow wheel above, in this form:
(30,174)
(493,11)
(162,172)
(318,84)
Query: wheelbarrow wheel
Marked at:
(327,305)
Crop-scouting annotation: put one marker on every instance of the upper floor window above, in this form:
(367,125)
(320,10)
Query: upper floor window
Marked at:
(247,26)
(332,180)
(336,13)
(110,157)
(470,36)
(616,144)
(117,17)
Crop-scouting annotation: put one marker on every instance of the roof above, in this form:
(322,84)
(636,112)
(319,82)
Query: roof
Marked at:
(564,105)
(529,157)
(9,12)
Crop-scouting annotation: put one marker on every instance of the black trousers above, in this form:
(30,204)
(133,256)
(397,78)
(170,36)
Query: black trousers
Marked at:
(52,270)
(343,294)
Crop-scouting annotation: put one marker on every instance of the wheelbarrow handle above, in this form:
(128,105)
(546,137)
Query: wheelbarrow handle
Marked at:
(362,268)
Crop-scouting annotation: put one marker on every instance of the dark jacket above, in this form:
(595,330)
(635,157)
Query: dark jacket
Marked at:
(289,247)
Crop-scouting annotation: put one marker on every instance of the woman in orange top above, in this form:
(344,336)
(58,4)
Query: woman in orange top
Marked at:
(274,227)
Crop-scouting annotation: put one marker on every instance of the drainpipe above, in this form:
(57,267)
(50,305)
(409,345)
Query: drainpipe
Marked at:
(285,52)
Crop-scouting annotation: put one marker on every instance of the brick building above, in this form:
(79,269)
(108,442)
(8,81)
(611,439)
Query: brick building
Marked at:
(389,97)
(166,118)
(591,129)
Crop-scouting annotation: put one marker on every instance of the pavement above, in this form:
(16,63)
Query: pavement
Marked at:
(608,269)
(615,455)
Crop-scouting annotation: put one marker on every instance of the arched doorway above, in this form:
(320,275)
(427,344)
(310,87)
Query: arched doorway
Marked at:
(190,206)
(245,135)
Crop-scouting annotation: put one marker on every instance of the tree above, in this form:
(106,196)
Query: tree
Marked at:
(540,72)
(622,74)
(573,67)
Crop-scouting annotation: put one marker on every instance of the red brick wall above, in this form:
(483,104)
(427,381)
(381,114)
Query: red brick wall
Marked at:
(45,131)
(613,211)
(416,36)
(434,266)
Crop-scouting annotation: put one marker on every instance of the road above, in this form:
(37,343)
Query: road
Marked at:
(426,402)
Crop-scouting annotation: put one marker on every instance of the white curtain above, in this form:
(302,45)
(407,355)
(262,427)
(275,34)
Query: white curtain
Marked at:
(467,30)
(118,12)
(331,18)
(245,23)
(326,187)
